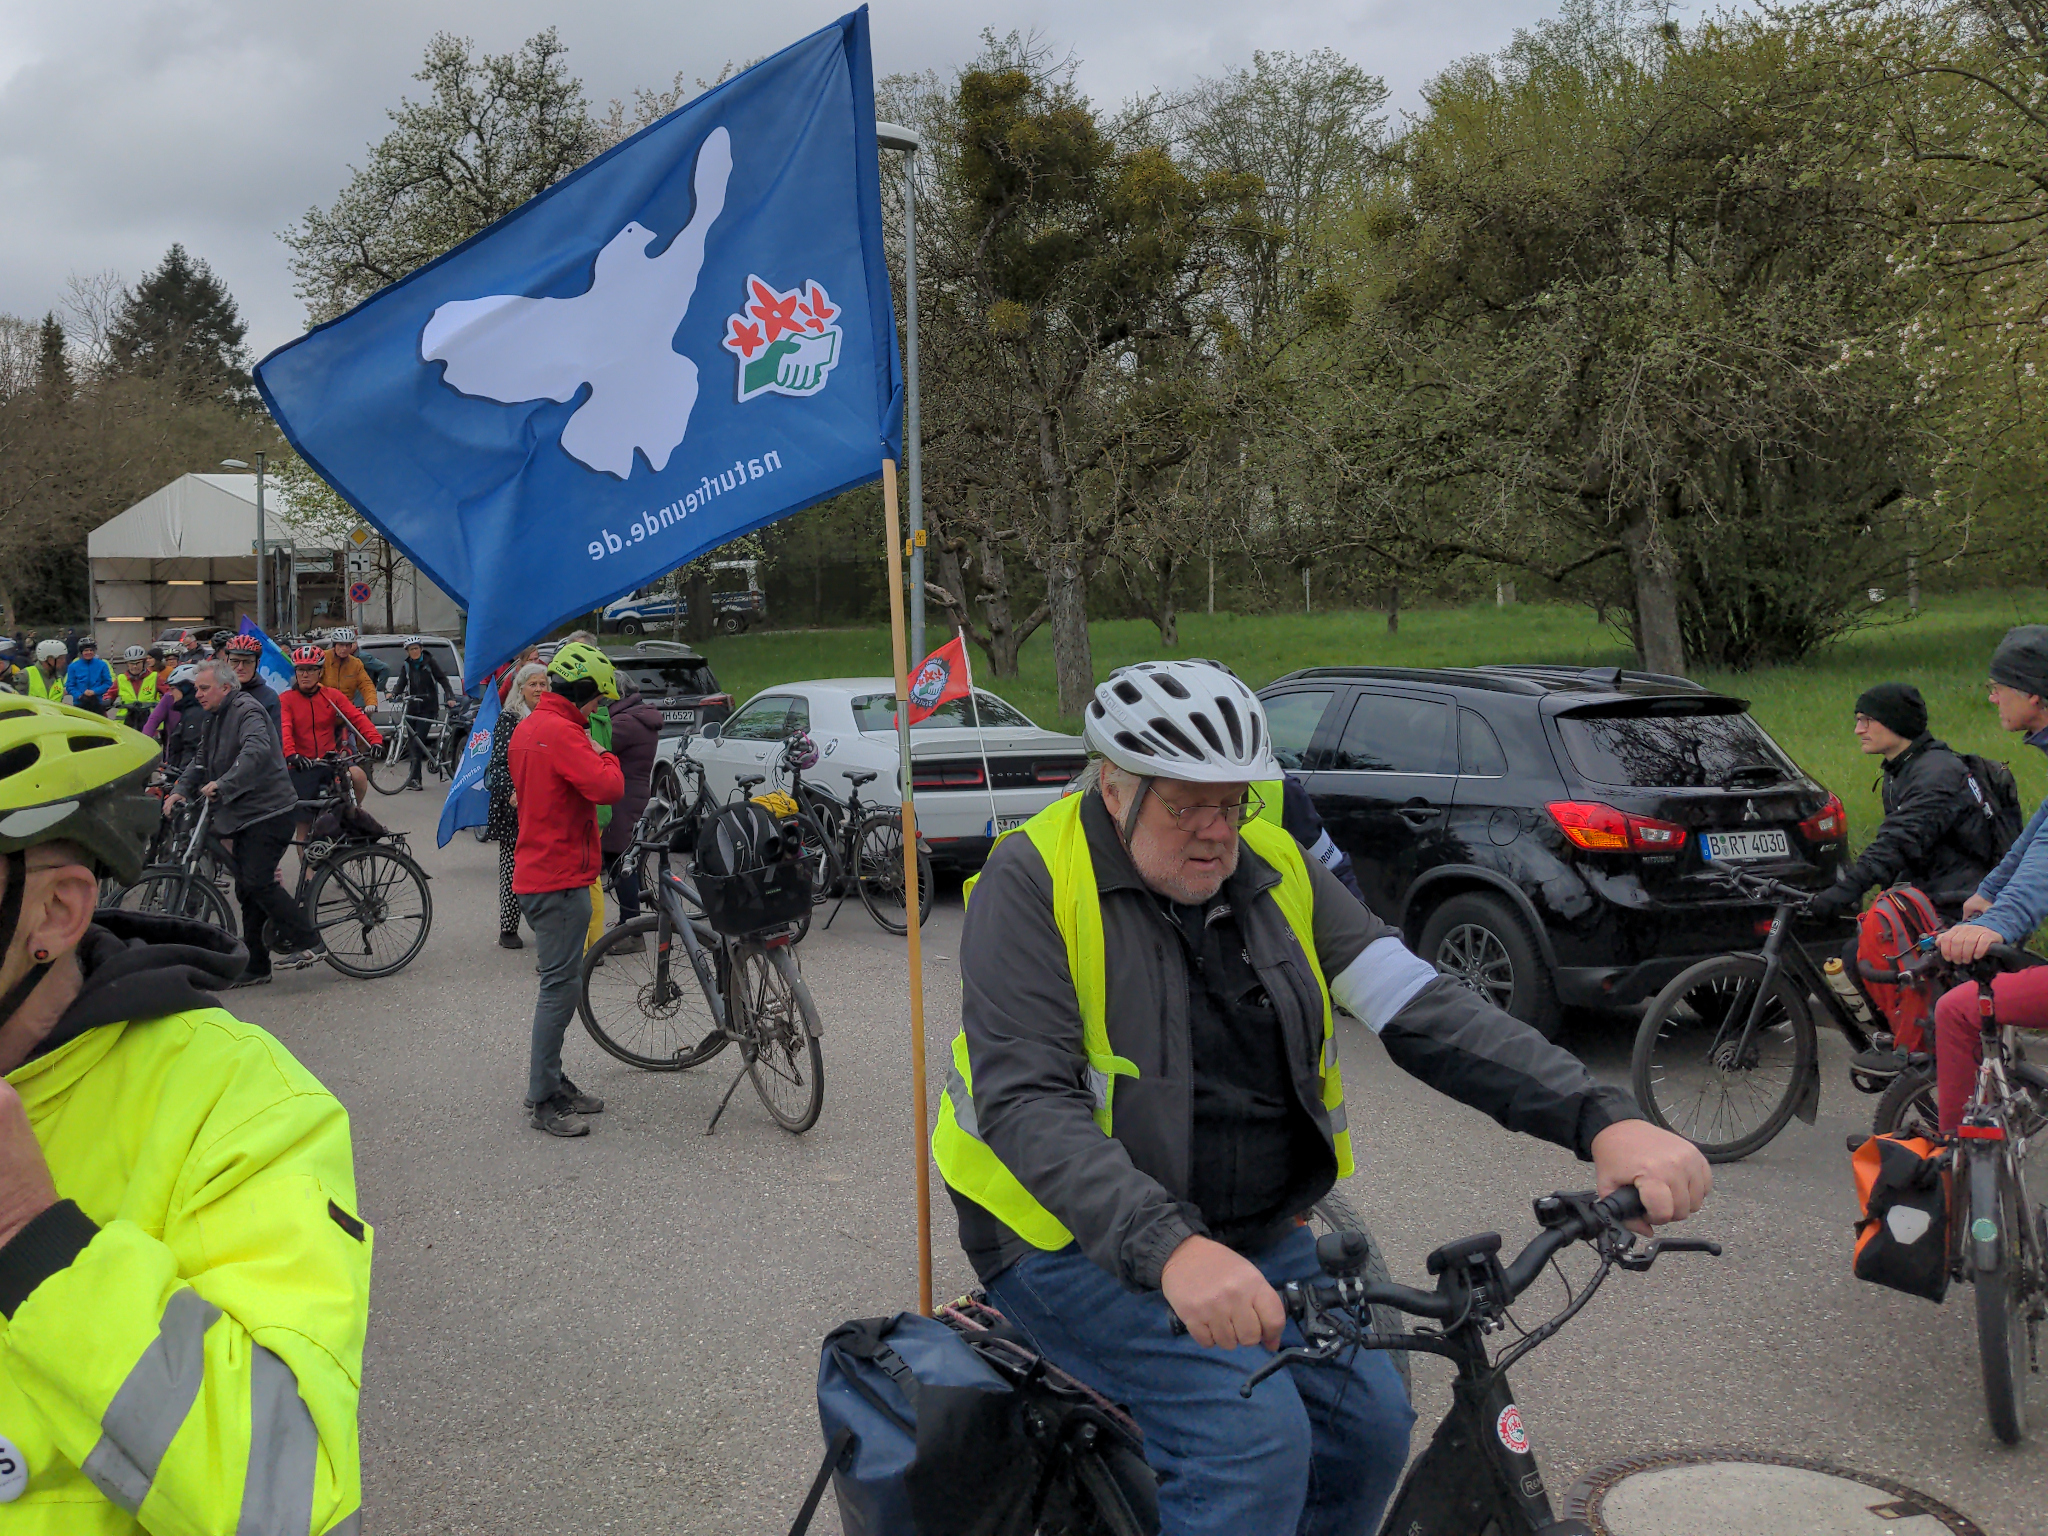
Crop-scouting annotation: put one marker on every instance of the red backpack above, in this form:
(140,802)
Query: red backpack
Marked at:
(1885,935)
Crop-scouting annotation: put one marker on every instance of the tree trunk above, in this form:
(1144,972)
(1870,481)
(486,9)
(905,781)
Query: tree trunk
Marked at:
(697,620)
(1066,581)
(1660,647)
(1393,607)
(1163,612)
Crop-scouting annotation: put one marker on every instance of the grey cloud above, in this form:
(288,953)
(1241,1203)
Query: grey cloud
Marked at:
(128,124)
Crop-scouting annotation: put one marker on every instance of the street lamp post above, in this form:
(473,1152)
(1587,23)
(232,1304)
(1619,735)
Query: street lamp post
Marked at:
(261,553)
(890,136)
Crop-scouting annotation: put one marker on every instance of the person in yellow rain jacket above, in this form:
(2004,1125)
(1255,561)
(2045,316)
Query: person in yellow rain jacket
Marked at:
(184,1280)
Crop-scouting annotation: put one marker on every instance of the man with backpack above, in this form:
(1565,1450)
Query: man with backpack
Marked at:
(2011,902)
(1936,832)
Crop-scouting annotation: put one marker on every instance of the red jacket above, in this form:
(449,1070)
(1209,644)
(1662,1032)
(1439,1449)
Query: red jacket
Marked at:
(561,779)
(311,722)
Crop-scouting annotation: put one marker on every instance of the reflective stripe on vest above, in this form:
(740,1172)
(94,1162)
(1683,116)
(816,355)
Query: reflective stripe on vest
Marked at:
(965,1160)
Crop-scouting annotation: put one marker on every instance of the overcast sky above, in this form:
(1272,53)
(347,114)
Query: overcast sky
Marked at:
(128,124)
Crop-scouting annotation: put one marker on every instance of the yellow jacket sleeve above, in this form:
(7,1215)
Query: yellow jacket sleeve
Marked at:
(205,1377)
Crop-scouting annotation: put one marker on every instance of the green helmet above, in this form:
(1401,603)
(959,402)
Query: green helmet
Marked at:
(576,660)
(70,775)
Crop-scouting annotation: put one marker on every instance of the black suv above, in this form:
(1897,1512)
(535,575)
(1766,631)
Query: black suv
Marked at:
(670,676)
(1544,833)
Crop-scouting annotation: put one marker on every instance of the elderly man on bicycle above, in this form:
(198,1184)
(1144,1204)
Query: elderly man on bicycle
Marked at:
(2011,902)
(1145,1101)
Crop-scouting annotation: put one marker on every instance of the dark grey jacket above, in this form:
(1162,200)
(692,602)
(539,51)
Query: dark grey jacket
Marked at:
(1124,1197)
(240,751)
(1930,832)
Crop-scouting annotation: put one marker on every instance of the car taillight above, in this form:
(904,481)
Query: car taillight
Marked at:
(1829,824)
(946,778)
(1602,828)
(716,701)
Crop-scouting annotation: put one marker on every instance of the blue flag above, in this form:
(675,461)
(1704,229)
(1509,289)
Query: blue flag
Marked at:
(688,338)
(469,798)
(273,666)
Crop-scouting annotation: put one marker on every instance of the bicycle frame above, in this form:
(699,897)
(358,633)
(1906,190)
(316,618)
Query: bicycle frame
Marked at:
(1785,957)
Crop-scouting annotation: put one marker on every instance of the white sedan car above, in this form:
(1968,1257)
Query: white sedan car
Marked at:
(852,720)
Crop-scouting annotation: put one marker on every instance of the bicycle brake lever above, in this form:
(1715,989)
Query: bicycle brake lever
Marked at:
(1279,1362)
(1640,1260)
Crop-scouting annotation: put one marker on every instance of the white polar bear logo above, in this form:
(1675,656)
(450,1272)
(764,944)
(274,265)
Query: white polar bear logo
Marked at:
(617,336)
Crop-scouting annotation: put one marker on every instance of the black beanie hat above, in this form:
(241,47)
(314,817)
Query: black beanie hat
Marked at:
(1896,707)
(2021,660)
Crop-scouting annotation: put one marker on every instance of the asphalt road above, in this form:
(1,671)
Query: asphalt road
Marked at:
(620,1333)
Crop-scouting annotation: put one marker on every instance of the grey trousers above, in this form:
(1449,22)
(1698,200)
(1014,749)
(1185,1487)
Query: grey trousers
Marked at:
(560,921)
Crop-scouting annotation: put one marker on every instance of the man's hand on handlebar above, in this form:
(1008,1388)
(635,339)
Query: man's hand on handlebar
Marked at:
(1221,1296)
(1968,941)
(1976,906)
(172,801)
(1666,1170)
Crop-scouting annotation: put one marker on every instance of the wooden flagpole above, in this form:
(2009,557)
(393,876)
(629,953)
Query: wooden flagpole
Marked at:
(912,903)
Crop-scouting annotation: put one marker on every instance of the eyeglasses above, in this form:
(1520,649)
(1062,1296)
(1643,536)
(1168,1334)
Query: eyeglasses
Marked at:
(1234,815)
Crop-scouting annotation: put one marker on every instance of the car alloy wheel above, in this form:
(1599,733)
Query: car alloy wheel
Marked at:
(1477,958)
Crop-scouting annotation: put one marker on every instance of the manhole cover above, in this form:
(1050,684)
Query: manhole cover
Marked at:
(1743,1493)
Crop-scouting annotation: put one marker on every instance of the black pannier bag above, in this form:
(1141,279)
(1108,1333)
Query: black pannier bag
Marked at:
(749,871)
(955,1426)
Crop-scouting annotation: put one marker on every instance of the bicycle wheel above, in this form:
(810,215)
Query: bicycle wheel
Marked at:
(173,893)
(1688,1075)
(878,872)
(819,856)
(389,769)
(1999,1251)
(372,909)
(777,1018)
(1909,1099)
(644,1007)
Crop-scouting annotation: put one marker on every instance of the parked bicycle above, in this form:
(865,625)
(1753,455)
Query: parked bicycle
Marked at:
(1726,1054)
(390,765)
(1998,1229)
(1479,1473)
(637,1001)
(860,846)
(362,891)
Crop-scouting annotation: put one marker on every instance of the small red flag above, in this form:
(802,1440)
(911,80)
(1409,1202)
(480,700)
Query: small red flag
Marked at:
(939,680)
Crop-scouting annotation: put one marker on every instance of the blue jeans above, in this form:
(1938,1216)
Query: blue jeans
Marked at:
(1316,1450)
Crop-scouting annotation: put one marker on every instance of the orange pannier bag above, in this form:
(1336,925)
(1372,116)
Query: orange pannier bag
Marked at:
(1902,1183)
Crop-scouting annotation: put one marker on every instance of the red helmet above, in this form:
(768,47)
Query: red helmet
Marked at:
(309,656)
(243,645)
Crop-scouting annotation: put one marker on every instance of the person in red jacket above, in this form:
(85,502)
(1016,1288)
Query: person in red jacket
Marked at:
(559,779)
(312,719)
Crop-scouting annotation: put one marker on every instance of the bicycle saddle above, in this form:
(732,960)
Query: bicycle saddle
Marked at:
(858,779)
(749,780)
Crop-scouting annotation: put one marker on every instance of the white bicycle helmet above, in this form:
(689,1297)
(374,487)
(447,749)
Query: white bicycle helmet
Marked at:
(1187,720)
(46,649)
(342,636)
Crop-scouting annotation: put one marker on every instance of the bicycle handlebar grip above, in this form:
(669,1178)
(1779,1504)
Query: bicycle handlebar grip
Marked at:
(2009,957)
(1625,1204)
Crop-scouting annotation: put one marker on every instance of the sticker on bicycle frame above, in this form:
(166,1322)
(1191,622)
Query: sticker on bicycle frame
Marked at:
(1509,1427)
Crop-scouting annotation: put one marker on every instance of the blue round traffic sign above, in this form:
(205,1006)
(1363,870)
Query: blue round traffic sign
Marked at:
(359,592)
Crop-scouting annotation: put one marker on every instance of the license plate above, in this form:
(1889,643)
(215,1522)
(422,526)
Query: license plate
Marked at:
(1004,824)
(1734,847)
(679,716)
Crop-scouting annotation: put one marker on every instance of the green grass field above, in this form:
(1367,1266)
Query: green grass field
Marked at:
(1942,651)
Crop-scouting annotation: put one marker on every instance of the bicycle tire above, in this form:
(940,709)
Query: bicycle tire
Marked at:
(634,978)
(156,891)
(356,906)
(818,855)
(1909,1098)
(1681,1027)
(878,873)
(389,770)
(2002,1328)
(780,1022)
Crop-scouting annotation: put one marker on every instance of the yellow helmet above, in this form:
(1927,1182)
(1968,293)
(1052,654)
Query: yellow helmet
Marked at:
(578,659)
(68,774)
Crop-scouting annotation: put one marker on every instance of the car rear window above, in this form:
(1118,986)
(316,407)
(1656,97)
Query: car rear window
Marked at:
(877,712)
(669,675)
(1674,744)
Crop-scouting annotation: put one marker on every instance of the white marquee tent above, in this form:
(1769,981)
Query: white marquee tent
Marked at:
(185,557)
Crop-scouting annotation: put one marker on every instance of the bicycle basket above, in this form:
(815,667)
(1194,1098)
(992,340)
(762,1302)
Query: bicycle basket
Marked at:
(749,873)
